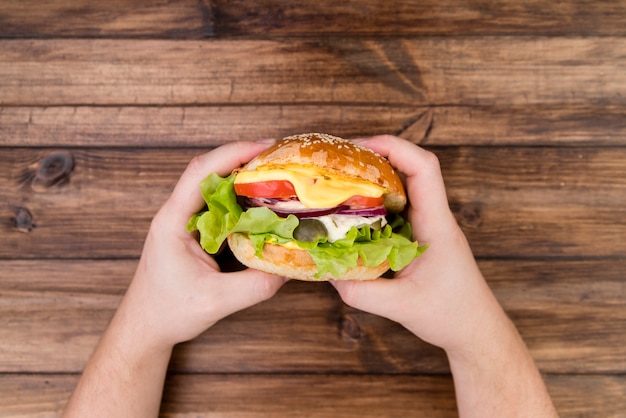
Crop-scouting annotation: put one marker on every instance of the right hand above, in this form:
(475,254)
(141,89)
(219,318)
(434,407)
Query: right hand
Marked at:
(441,296)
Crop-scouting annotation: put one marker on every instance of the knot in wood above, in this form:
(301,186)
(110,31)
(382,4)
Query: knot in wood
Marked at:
(470,214)
(23,220)
(55,168)
(350,327)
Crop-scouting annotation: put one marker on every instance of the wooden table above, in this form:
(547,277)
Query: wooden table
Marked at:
(102,104)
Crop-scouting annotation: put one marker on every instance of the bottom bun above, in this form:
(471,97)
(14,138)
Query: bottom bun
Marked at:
(294,264)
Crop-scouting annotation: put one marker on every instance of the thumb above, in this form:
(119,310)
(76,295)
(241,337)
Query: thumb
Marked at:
(373,296)
(249,287)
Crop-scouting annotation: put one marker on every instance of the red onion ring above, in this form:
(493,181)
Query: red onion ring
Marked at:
(306,213)
(273,204)
(375,211)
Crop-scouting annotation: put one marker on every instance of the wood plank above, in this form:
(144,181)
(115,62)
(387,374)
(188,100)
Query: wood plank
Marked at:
(204,126)
(41,396)
(196,126)
(502,194)
(278,18)
(523,125)
(550,302)
(342,396)
(434,71)
(57,310)
(426,17)
(86,202)
(60,309)
(512,202)
(311,396)
(373,396)
(572,314)
(117,18)
(588,396)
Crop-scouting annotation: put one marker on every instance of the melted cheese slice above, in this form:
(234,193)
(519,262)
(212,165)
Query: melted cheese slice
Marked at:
(314,190)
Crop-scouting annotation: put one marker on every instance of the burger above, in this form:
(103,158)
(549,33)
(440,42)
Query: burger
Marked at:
(312,207)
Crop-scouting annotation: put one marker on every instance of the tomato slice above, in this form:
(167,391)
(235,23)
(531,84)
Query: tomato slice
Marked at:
(270,189)
(364,201)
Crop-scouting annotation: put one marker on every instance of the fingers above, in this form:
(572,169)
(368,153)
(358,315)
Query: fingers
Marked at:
(186,198)
(420,166)
(373,296)
(246,288)
(424,181)
(404,155)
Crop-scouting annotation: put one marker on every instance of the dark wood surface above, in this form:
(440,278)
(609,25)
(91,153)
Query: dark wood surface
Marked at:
(102,104)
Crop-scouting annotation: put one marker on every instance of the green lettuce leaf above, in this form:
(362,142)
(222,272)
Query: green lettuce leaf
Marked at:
(223,216)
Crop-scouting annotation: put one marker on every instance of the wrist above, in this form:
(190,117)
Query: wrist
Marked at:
(496,375)
(126,371)
(134,334)
(462,312)
(494,357)
(492,336)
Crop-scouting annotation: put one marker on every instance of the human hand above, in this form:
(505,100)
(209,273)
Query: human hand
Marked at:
(178,290)
(441,296)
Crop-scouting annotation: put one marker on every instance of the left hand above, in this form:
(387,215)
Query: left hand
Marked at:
(178,290)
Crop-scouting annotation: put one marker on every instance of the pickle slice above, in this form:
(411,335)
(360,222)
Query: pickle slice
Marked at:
(310,230)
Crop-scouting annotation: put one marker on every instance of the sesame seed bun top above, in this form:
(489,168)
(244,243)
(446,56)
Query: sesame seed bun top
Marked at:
(336,156)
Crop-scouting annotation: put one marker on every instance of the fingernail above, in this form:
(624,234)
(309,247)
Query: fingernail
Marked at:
(266,141)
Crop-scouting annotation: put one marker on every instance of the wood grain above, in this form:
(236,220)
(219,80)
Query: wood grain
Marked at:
(208,126)
(512,202)
(540,194)
(570,313)
(344,396)
(191,126)
(102,104)
(430,71)
(411,17)
(525,125)
(312,396)
(116,18)
(176,19)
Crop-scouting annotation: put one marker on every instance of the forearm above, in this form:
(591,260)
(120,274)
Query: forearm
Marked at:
(125,375)
(497,377)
